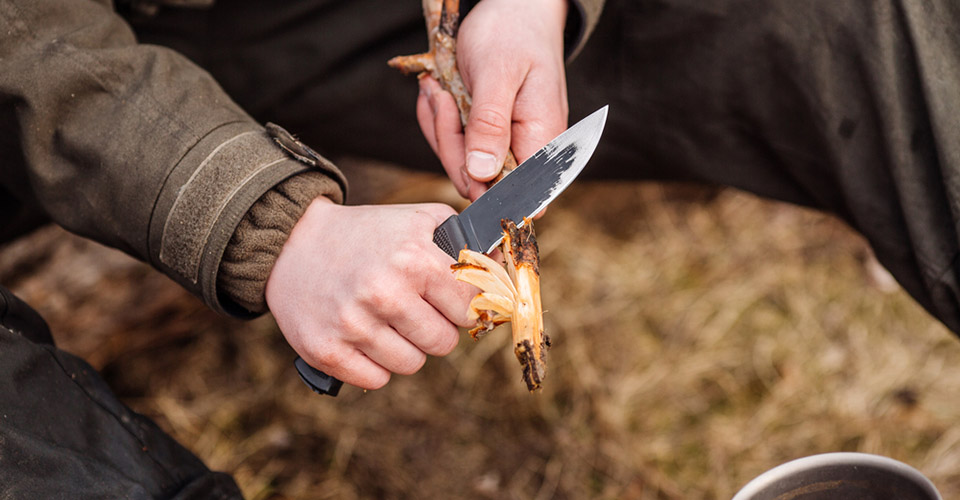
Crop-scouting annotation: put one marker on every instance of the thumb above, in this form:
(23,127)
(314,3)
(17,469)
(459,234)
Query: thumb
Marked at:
(487,133)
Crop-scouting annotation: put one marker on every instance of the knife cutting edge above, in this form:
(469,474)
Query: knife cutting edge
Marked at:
(524,192)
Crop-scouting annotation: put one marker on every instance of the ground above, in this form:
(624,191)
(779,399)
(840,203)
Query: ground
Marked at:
(700,337)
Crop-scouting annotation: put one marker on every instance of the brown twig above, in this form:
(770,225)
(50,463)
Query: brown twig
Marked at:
(512,295)
(523,265)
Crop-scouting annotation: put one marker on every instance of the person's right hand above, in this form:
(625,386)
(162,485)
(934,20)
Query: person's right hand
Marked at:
(362,291)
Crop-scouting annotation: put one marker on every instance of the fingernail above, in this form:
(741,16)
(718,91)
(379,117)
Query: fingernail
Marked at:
(482,165)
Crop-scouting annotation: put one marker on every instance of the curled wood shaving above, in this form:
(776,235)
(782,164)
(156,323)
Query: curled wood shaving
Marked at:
(510,295)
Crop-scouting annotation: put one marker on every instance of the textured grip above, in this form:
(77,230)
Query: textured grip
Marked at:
(320,382)
(450,236)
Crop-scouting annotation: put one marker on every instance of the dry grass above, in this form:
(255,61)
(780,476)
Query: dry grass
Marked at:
(699,339)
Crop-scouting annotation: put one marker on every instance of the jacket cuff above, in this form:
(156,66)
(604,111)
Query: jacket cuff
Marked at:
(258,240)
(206,196)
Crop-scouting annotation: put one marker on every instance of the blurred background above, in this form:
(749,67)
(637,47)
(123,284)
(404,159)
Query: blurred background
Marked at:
(700,337)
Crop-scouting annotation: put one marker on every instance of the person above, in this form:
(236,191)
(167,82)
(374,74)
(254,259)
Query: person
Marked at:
(140,127)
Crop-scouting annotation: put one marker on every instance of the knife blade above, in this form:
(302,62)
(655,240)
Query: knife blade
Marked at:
(525,191)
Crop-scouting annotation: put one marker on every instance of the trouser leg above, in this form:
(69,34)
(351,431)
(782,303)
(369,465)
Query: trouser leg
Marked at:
(63,434)
(844,106)
(849,107)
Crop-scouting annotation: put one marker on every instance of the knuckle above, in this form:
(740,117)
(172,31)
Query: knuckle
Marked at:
(329,359)
(411,364)
(375,381)
(355,323)
(407,262)
(444,343)
(487,120)
(406,254)
(544,128)
(373,297)
(370,379)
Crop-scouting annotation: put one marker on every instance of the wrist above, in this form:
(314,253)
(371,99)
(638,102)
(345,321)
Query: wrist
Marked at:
(289,256)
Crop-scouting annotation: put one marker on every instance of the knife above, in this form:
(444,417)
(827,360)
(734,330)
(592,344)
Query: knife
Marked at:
(521,193)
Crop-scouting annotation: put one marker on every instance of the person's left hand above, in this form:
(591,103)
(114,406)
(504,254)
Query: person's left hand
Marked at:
(510,55)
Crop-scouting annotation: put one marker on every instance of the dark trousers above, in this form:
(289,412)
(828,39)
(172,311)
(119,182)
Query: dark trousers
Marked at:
(63,433)
(849,107)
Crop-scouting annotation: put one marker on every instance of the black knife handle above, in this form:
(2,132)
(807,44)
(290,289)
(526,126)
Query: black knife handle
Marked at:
(450,236)
(320,382)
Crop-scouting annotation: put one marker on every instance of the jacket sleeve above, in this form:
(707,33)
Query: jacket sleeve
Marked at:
(130,144)
(582,19)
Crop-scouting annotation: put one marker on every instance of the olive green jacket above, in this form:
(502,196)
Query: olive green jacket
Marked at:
(138,148)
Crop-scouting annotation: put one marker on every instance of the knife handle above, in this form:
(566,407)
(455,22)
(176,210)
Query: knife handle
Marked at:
(320,382)
(450,236)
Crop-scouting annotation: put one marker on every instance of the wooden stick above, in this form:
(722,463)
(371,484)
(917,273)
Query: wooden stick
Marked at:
(523,265)
(512,295)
